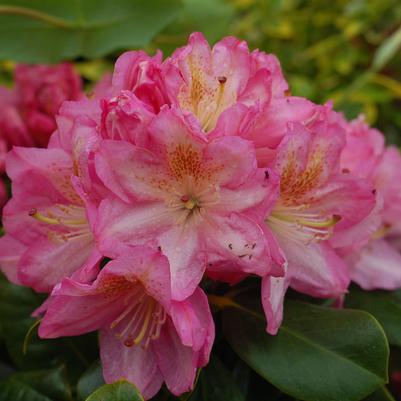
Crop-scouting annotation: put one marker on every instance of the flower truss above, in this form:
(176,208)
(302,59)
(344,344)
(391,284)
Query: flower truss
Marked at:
(199,168)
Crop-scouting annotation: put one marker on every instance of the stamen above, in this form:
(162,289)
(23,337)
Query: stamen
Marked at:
(53,219)
(328,222)
(135,320)
(302,225)
(134,299)
(144,318)
(144,328)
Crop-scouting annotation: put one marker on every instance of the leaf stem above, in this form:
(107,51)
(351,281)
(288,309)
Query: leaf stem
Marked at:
(222,302)
(35,14)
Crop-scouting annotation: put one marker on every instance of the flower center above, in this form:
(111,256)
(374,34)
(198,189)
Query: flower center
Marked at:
(141,321)
(189,203)
(190,199)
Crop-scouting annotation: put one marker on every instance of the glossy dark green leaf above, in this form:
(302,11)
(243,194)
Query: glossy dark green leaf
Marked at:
(53,30)
(36,386)
(216,383)
(90,381)
(385,306)
(212,17)
(319,354)
(380,395)
(16,305)
(119,391)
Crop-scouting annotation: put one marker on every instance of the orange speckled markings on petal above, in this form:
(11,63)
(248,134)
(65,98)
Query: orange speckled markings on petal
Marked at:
(192,186)
(201,87)
(186,161)
(295,216)
(294,185)
(63,183)
(114,285)
(206,95)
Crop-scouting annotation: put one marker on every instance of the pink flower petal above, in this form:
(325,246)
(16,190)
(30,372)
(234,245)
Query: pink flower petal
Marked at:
(134,364)
(177,363)
(378,267)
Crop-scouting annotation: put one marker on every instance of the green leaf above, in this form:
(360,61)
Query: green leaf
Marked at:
(90,381)
(385,306)
(380,395)
(48,385)
(216,384)
(16,305)
(53,30)
(119,391)
(212,17)
(387,50)
(319,354)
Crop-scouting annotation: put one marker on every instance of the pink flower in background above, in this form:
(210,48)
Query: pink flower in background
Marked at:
(27,113)
(188,196)
(40,90)
(12,127)
(145,336)
(317,202)
(48,235)
(364,148)
(377,263)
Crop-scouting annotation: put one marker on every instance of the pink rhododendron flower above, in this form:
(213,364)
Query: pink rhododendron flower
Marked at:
(377,263)
(232,91)
(48,235)
(188,196)
(40,91)
(27,113)
(206,82)
(317,201)
(145,336)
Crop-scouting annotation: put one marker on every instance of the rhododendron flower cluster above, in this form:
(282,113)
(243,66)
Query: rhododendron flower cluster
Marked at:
(199,167)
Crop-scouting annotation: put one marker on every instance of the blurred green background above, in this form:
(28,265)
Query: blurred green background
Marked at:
(346,51)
